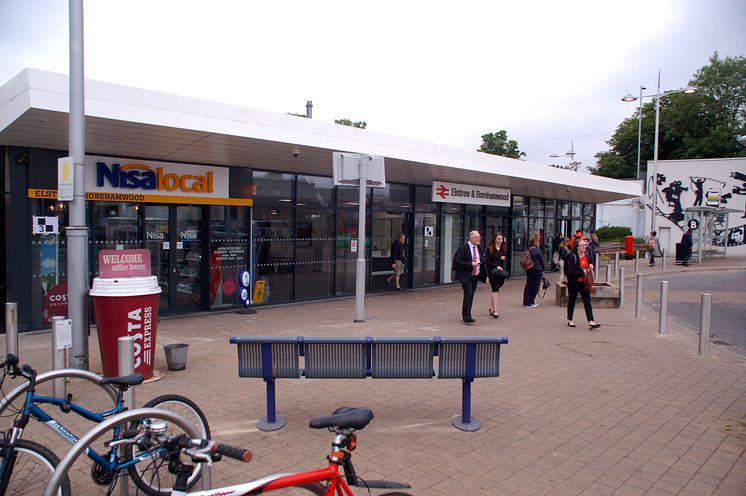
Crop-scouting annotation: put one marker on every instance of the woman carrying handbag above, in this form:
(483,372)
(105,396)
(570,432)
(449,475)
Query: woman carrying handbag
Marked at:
(578,268)
(495,258)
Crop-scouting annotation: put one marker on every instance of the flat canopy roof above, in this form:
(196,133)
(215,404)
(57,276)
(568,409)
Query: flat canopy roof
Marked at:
(135,123)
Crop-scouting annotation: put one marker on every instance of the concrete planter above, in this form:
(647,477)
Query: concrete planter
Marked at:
(604,295)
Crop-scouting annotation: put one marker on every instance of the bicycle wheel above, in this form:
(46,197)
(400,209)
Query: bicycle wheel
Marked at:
(33,467)
(151,475)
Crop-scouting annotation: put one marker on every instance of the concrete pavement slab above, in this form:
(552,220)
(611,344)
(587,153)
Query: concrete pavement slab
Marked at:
(620,410)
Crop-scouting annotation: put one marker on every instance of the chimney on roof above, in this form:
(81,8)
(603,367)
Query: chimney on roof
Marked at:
(309,109)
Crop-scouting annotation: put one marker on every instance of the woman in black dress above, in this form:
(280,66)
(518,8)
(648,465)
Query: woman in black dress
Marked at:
(495,258)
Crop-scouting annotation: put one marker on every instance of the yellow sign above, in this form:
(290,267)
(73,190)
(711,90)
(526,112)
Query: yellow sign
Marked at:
(258,298)
(139,198)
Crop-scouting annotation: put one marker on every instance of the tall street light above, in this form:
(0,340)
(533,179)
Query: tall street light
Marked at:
(657,96)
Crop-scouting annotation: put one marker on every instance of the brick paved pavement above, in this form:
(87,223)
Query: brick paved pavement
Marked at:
(618,411)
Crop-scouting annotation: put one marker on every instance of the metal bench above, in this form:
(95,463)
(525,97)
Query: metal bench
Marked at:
(457,357)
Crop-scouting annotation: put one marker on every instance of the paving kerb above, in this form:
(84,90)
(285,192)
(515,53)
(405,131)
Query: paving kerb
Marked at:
(620,410)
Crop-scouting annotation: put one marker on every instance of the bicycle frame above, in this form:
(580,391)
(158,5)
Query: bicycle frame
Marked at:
(337,484)
(31,409)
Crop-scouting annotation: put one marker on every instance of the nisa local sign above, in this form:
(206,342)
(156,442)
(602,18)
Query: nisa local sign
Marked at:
(117,179)
(473,195)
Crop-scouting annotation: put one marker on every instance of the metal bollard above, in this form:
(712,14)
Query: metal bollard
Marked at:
(663,259)
(616,264)
(663,314)
(637,261)
(126,356)
(59,385)
(638,301)
(11,328)
(608,273)
(597,261)
(704,324)
(621,286)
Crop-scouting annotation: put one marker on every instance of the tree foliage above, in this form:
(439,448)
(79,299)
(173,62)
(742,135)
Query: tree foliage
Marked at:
(499,144)
(348,122)
(705,124)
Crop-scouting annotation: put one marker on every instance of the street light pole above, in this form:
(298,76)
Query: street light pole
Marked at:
(655,151)
(639,132)
(657,96)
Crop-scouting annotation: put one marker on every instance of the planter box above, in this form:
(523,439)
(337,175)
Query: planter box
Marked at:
(604,295)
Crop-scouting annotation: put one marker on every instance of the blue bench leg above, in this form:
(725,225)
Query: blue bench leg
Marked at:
(466,422)
(271,422)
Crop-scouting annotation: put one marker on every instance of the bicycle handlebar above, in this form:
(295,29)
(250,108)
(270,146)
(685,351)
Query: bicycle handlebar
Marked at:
(240,454)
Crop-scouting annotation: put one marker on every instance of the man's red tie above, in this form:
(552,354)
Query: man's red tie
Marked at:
(474,259)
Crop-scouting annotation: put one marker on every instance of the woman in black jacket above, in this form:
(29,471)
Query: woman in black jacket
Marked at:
(577,265)
(497,254)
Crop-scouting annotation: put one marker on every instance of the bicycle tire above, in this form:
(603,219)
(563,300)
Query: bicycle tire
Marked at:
(34,466)
(152,475)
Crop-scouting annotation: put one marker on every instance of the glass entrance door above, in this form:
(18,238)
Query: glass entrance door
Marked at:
(385,229)
(173,234)
(188,264)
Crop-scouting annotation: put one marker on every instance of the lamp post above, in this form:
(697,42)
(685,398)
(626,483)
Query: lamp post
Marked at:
(657,96)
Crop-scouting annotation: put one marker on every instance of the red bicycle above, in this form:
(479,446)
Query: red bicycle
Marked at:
(329,481)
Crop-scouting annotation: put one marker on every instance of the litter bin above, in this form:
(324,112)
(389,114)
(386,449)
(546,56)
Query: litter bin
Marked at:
(679,254)
(126,306)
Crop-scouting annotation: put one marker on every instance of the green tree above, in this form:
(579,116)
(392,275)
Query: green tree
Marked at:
(702,125)
(348,122)
(499,144)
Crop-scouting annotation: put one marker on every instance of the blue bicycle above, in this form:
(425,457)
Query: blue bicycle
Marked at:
(25,466)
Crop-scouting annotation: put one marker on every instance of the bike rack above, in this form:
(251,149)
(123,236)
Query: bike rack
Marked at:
(57,374)
(98,431)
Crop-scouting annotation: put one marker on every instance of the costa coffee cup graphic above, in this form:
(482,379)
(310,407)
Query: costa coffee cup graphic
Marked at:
(126,306)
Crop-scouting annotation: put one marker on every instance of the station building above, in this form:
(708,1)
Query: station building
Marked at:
(211,189)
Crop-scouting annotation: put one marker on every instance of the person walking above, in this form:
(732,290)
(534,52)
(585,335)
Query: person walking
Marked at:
(496,257)
(533,275)
(654,248)
(577,266)
(397,260)
(686,246)
(470,268)
(562,253)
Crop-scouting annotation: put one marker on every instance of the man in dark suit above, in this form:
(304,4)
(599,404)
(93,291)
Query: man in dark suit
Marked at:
(468,262)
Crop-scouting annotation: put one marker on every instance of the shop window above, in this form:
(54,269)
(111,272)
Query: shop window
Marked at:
(229,254)
(273,188)
(116,226)
(564,209)
(314,249)
(48,266)
(550,208)
(423,199)
(536,208)
(576,210)
(274,241)
(451,236)
(394,198)
(314,191)
(345,258)
(520,206)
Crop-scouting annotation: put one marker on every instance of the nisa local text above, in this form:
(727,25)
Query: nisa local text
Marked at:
(141,176)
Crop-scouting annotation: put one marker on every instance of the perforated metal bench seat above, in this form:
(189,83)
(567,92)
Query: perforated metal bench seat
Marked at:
(283,357)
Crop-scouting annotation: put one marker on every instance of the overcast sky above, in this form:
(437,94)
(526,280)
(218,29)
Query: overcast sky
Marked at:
(549,72)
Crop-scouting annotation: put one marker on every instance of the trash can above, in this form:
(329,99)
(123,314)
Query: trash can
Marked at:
(176,355)
(126,306)
(679,254)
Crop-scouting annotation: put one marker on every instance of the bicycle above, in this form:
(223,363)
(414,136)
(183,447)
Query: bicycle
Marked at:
(143,466)
(344,422)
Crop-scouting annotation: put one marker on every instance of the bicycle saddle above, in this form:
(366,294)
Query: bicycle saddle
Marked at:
(345,417)
(123,380)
